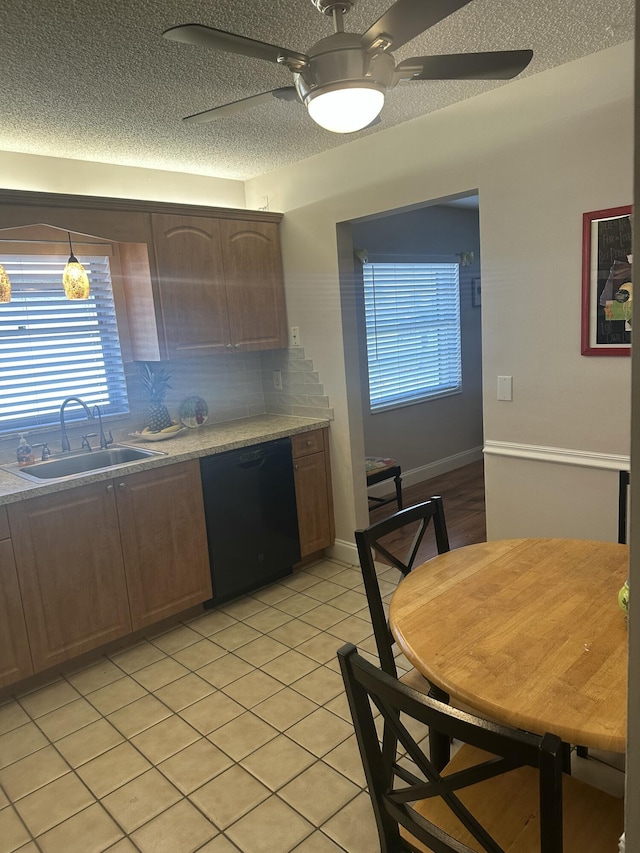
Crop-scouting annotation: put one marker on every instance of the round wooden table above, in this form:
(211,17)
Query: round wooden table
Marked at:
(525,631)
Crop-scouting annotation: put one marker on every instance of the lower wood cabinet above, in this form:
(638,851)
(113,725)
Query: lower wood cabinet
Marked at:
(15,657)
(98,561)
(71,573)
(164,541)
(87,565)
(312,472)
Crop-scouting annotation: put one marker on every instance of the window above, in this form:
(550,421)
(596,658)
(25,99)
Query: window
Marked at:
(412,316)
(52,347)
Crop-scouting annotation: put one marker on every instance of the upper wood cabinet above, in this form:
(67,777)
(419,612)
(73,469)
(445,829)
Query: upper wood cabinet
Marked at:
(254,284)
(193,280)
(191,287)
(220,285)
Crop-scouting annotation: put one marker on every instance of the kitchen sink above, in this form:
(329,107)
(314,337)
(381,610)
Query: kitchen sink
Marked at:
(77,464)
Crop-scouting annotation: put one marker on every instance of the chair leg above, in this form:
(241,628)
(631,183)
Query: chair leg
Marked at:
(398,482)
(439,750)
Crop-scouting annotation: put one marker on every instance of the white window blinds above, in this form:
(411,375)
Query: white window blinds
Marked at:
(52,347)
(413,332)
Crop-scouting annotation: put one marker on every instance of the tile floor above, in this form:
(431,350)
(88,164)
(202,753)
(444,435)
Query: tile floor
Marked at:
(229,732)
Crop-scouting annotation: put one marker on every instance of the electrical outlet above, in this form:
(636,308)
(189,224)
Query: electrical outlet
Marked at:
(295,336)
(277,380)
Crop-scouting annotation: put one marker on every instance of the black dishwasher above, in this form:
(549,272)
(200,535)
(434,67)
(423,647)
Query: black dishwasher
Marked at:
(252,523)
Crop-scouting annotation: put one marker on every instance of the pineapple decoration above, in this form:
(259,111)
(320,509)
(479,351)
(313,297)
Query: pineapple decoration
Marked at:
(156,384)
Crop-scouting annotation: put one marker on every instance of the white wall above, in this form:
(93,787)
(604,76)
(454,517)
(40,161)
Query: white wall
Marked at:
(80,177)
(539,151)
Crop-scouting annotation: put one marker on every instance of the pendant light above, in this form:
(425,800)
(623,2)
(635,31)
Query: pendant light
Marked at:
(74,277)
(5,286)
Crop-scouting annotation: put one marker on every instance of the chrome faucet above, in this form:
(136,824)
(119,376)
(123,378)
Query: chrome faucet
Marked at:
(65,438)
(104,441)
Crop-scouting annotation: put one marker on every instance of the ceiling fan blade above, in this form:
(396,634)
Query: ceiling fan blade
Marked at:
(406,19)
(202,36)
(496,65)
(286,93)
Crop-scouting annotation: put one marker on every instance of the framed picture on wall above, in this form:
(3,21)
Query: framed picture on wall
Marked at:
(476,293)
(607,290)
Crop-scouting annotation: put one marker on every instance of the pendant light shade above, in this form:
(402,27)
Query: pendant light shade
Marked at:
(5,286)
(74,277)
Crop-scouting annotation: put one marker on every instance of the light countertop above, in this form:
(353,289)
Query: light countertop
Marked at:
(189,444)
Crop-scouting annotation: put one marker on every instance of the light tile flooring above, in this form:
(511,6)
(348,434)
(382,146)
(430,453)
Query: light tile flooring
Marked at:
(229,732)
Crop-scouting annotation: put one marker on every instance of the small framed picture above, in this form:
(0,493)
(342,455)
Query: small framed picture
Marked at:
(476,293)
(607,290)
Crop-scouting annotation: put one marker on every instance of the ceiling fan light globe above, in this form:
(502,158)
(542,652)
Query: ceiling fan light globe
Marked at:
(345,110)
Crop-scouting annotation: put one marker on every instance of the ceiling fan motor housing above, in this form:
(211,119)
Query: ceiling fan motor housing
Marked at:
(340,61)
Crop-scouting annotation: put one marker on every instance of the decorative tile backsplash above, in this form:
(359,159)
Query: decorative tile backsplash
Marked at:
(241,385)
(302,393)
(234,386)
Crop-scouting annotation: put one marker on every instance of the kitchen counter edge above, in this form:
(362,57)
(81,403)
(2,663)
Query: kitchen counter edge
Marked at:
(208,440)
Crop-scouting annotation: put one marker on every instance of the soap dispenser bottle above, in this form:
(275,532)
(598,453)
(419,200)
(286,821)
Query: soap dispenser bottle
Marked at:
(25,453)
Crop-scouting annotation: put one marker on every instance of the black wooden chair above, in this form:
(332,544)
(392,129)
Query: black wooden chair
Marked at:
(422,517)
(624,481)
(503,792)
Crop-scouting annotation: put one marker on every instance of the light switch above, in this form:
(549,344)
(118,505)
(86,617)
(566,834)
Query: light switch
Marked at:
(505,387)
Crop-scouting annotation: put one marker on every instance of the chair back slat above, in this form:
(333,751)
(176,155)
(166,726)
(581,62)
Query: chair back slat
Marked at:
(624,481)
(367,686)
(426,515)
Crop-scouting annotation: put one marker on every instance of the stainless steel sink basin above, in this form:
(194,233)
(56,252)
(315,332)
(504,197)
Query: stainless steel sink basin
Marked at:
(75,465)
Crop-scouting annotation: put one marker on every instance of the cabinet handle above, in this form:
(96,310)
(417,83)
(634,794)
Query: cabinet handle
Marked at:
(229,346)
(236,345)
(109,488)
(295,467)
(121,486)
(309,442)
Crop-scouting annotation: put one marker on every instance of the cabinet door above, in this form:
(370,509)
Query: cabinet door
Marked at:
(69,561)
(314,516)
(192,291)
(255,286)
(15,658)
(164,541)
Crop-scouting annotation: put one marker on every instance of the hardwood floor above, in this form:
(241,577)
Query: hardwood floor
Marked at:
(462,492)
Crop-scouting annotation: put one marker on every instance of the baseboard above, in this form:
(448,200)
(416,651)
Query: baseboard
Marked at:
(344,551)
(426,472)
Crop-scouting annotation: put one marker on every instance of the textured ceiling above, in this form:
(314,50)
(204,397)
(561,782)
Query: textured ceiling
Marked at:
(95,80)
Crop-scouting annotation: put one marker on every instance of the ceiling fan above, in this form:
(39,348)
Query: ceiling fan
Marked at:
(343,78)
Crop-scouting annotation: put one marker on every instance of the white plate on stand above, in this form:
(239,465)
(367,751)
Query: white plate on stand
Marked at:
(156,436)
